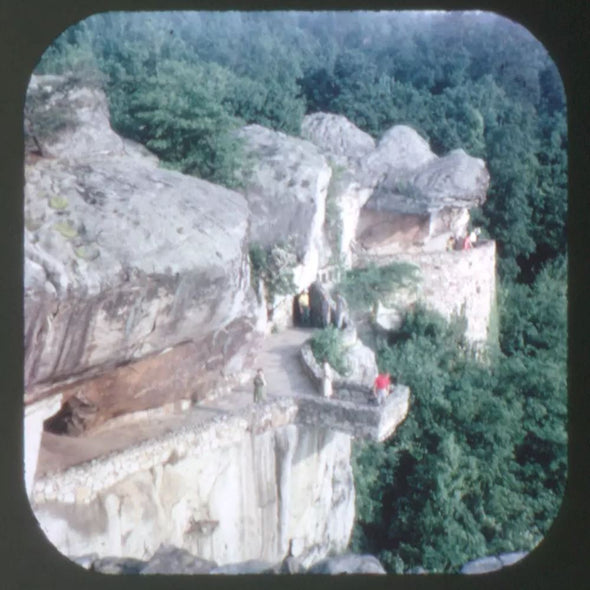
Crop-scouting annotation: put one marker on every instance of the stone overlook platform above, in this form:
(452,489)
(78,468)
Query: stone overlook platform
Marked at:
(76,469)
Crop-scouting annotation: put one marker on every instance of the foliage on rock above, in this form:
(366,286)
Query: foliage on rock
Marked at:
(45,119)
(328,345)
(363,287)
(274,267)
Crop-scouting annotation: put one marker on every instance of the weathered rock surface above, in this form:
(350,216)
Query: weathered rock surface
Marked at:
(492,563)
(124,262)
(457,283)
(337,137)
(286,193)
(348,564)
(398,194)
(416,202)
(455,180)
(231,490)
(399,150)
(174,560)
(346,148)
(116,565)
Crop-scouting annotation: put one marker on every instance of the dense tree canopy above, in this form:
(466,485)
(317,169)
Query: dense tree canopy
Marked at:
(478,466)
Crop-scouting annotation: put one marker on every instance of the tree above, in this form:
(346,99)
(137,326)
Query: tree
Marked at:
(452,485)
(178,113)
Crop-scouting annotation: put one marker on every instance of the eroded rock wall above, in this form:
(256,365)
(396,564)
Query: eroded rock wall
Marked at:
(286,192)
(239,489)
(125,261)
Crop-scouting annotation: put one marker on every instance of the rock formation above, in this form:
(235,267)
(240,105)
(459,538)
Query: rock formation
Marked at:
(398,194)
(286,191)
(228,490)
(137,284)
(140,314)
(399,202)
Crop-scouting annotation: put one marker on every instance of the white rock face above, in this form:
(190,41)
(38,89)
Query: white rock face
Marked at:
(243,499)
(346,147)
(34,416)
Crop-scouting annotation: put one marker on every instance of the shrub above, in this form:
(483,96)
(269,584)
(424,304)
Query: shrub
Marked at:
(363,287)
(274,267)
(327,345)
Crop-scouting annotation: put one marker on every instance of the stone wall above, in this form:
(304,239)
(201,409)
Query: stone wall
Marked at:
(452,283)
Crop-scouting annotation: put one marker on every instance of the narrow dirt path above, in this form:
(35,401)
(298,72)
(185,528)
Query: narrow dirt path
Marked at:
(279,358)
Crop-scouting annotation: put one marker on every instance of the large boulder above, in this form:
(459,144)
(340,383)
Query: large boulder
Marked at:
(348,564)
(127,263)
(346,147)
(400,149)
(456,180)
(337,137)
(286,191)
(418,196)
(64,119)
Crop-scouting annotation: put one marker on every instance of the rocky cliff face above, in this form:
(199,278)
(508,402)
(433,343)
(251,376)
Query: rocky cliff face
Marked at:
(228,490)
(396,201)
(138,298)
(137,284)
(398,194)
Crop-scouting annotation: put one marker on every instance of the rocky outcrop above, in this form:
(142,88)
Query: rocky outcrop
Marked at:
(346,147)
(348,564)
(492,563)
(399,202)
(399,150)
(174,560)
(132,272)
(286,192)
(338,138)
(228,490)
(414,205)
(398,194)
(138,298)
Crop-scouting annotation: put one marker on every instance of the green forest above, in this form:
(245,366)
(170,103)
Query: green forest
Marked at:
(479,465)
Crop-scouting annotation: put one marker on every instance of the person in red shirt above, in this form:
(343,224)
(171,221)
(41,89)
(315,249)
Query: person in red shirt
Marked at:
(381,387)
